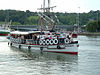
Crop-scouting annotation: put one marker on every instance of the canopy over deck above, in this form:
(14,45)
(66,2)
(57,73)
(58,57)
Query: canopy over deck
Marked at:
(24,33)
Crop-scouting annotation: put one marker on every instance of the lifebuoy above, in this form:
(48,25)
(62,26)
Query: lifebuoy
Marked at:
(41,42)
(51,41)
(66,40)
(47,42)
(55,41)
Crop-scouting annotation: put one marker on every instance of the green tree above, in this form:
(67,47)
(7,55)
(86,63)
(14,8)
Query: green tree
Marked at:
(33,20)
(92,26)
(28,17)
(16,23)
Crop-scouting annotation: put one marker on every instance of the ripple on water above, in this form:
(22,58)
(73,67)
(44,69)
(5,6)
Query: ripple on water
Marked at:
(23,62)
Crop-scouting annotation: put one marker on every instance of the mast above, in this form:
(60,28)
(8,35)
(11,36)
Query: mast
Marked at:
(46,21)
(43,6)
(48,5)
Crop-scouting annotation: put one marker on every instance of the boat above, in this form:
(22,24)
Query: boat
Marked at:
(44,41)
(74,34)
(4,31)
(46,38)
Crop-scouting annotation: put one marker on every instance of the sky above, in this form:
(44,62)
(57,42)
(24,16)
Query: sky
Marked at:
(61,5)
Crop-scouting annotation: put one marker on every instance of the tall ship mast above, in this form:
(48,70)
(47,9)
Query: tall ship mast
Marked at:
(46,21)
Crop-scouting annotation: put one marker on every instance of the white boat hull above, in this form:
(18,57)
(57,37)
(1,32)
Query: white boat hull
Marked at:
(66,49)
(69,49)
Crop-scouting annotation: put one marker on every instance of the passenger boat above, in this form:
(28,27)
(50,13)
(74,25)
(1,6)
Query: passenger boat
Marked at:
(46,39)
(4,31)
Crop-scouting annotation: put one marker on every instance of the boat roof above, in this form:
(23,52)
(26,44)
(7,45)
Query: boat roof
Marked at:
(24,33)
(19,32)
(30,32)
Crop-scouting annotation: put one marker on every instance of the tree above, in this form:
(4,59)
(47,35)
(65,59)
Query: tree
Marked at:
(30,18)
(33,20)
(16,23)
(92,26)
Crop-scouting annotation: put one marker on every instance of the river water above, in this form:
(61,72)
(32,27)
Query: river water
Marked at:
(22,62)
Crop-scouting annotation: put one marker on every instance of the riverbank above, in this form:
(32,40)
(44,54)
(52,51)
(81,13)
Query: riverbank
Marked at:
(90,33)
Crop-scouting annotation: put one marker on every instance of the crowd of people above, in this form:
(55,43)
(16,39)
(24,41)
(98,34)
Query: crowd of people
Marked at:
(34,38)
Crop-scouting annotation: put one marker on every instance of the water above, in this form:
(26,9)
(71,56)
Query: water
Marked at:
(23,62)
(89,55)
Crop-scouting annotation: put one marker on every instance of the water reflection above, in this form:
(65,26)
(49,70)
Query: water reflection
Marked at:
(49,63)
(46,55)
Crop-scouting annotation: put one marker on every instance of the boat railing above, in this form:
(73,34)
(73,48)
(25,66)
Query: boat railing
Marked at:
(31,41)
(40,41)
(18,40)
(24,41)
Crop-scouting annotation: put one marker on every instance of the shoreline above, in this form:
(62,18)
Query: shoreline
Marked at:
(89,34)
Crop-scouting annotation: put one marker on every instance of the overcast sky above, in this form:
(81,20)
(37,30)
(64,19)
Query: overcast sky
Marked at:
(62,5)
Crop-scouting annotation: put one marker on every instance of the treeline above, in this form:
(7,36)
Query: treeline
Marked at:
(93,26)
(31,18)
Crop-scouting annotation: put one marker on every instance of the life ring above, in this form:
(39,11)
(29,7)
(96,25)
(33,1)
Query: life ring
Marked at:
(55,41)
(66,40)
(41,42)
(51,42)
(47,42)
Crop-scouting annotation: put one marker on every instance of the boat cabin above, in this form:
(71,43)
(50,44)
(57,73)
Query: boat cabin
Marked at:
(39,38)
